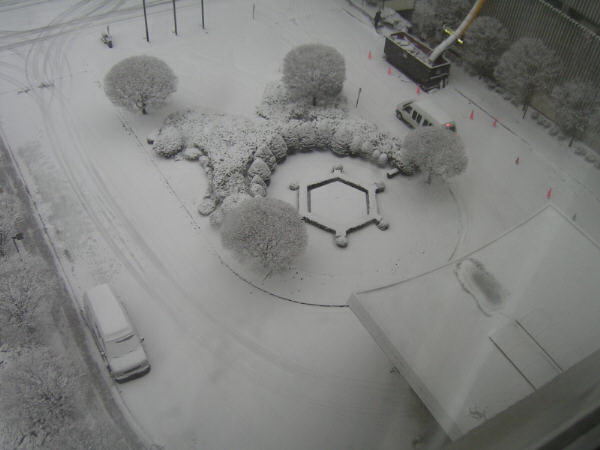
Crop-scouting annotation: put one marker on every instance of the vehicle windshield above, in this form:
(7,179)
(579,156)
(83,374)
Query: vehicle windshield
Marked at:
(122,345)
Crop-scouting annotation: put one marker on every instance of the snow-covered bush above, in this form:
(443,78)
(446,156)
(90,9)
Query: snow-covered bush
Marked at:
(342,138)
(140,82)
(527,68)
(301,136)
(24,285)
(436,150)
(37,395)
(256,179)
(169,142)
(485,40)
(259,168)
(191,154)
(276,145)
(267,156)
(207,206)
(258,190)
(266,231)
(314,71)
(10,220)
(575,103)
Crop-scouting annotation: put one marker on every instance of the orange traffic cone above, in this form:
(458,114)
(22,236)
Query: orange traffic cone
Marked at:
(389,70)
(418,90)
(494,123)
(549,194)
(370,56)
(472,115)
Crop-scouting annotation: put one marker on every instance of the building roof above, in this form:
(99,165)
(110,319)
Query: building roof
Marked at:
(471,346)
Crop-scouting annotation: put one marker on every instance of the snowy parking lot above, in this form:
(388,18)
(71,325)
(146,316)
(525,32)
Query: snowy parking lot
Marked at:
(238,359)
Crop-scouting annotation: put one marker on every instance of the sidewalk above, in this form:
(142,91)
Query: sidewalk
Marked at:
(67,324)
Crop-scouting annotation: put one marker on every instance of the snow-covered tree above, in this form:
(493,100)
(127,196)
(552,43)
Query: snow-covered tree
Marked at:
(37,396)
(24,283)
(575,104)
(10,219)
(430,16)
(265,230)
(485,41)
(314,71)
(436,151)
(528,68)
(140,82)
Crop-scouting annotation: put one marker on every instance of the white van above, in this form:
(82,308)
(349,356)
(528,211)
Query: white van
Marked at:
(423,112)
(117,340)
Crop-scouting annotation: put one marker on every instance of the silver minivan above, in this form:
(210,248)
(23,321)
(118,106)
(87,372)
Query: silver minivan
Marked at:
(423,112)
(115,336)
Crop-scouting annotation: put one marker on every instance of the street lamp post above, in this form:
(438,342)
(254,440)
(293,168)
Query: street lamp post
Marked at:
(175,17)
(17,237)
(146,20)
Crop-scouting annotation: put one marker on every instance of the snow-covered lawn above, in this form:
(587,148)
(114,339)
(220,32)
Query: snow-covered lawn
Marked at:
(234,365)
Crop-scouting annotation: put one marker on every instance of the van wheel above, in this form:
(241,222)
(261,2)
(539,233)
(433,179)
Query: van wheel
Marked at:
(399,115)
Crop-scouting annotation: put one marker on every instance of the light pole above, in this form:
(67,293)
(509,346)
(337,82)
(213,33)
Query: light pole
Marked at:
(175,17)
(146,20)
(17,237)
(202,5)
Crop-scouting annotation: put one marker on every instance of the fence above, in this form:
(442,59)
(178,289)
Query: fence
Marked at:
(577,46)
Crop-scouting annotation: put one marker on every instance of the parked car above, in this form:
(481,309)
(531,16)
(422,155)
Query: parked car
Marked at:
(424,112)
(116,338)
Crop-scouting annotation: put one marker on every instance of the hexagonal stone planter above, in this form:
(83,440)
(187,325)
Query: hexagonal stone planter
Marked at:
(339,204)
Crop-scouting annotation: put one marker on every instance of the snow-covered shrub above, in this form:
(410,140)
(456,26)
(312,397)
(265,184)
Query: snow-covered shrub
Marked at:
(267,231)
(277,146)
(256,179)
(436,150)
(258,190)
(207,206)
(382,160)
(191,154)
(342,138)
(24,286)
(580,151)
(267,156)
(140,82)
(229,182)
(485,40)
(260,168)
(324,130)
(314,71)
(300,135)
(527,68)
(169,142)
(591,158)
(38,396)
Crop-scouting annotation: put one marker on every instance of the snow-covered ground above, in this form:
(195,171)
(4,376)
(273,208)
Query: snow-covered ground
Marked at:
(235,365)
